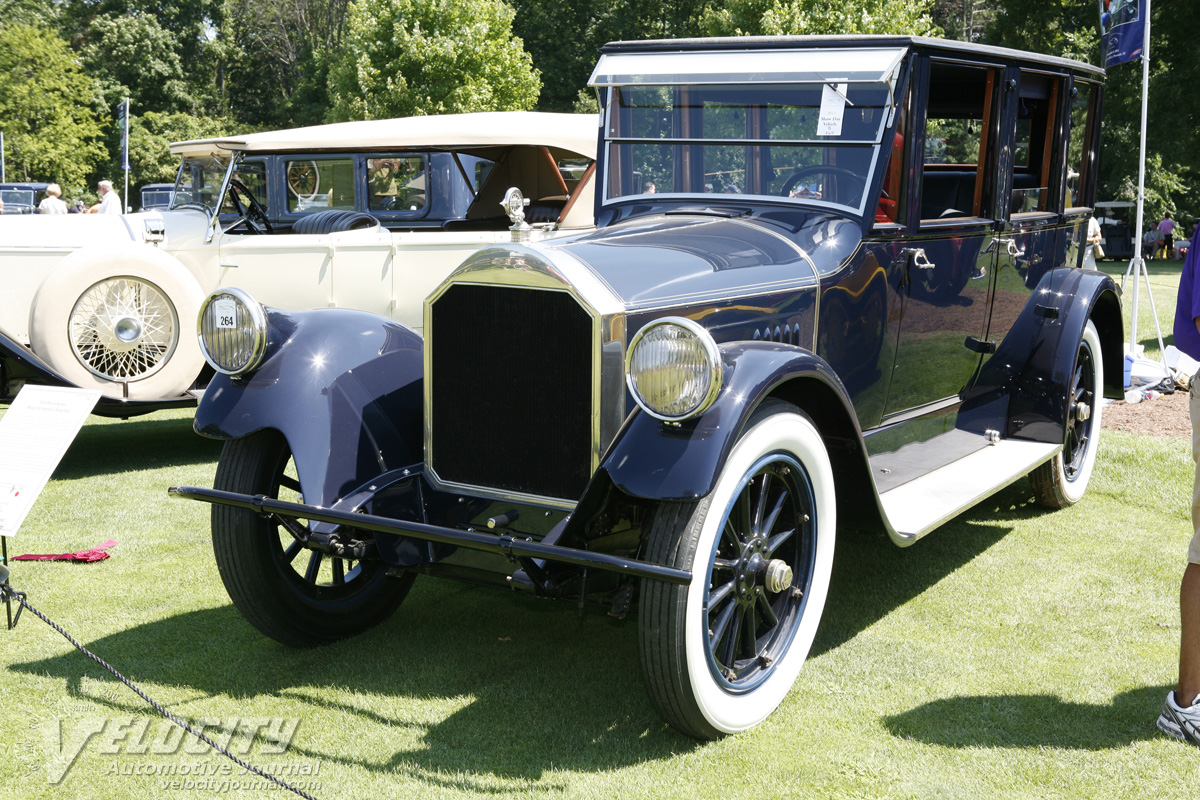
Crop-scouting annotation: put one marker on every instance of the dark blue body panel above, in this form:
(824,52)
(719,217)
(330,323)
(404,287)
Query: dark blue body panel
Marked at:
(344,389)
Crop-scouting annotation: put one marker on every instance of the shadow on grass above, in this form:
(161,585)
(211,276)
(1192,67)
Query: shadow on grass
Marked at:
(143,443)
(469,687)
(1032,721)
(872,576)
(543,688)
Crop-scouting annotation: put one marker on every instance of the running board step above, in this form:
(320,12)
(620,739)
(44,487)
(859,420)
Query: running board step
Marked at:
(917,507)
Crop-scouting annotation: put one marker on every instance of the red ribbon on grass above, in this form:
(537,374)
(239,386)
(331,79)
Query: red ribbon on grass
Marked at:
(84,556)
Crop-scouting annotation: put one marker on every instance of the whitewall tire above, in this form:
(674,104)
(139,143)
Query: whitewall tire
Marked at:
(121,320)
(720,654)
(1062,481)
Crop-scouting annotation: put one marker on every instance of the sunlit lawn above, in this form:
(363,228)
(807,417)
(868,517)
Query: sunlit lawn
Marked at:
(1012,653)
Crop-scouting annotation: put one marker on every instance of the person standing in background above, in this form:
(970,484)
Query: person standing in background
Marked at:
(1167,229)
(52,203)
(110,201)
(1180,717)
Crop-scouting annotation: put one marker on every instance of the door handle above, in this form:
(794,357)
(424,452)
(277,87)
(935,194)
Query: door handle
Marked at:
(918,258)
(1011,248)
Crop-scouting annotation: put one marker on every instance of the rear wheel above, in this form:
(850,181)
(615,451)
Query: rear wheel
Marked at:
(297,596)
(720,654)
(1062,481)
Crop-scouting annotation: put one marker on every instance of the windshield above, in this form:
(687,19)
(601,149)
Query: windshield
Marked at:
(801,142)
(199,182)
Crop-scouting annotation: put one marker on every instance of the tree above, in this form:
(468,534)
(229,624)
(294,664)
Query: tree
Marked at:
(150,136)
(407,57)
(278,65)
(49,109)
(132,55)
(586,25)
(788,17)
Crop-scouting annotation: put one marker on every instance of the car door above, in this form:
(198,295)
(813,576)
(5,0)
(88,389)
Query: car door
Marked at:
(1046,187)
(949,263)
(294,270)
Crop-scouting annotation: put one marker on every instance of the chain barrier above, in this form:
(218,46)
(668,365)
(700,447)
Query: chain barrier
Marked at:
(10,594)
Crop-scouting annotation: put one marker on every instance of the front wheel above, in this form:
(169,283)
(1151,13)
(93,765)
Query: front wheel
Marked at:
(1061,481)
(720,654)
(297,596)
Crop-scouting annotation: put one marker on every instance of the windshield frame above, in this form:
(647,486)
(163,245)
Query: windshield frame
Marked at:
(775,132)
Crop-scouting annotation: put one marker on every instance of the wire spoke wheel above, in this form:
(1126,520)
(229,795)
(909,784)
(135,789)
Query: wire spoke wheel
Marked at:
(123,328)
(1079,422)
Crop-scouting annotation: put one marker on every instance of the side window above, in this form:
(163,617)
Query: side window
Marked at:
(1079,164)
(891,200)
(572,171)
(1033,147)
(954,173)
(253,175)
(319,184)
(397,183)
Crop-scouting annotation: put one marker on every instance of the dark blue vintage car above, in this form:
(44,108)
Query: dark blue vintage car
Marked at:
(836,286)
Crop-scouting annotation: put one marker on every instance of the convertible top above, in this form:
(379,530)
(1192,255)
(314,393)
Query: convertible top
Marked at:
(576,133)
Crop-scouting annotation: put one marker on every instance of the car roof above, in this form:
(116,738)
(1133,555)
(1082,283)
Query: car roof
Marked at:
(24,185)
(576,133)
(925,43)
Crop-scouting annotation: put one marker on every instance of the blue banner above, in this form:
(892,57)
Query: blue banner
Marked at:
(123,125)
(1121,31)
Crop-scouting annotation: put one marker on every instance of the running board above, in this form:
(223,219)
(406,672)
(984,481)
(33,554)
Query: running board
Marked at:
(917,507)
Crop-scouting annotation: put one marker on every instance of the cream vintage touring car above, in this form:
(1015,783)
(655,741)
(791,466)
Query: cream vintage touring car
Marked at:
(366,215)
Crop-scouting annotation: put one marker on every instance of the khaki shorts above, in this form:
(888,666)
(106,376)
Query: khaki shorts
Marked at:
(1194,412)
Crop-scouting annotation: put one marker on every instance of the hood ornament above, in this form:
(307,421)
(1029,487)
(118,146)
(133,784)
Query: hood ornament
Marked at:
(514,206)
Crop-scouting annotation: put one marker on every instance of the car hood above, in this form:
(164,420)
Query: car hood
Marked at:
(681,259)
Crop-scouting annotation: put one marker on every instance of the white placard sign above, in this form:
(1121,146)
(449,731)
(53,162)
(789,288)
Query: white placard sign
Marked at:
(833,109)
(225,312)
(35,433)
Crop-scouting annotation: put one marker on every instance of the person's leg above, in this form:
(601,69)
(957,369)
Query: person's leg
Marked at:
(1189,636)
(1180,715)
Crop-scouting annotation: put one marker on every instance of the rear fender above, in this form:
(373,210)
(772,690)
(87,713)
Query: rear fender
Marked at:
(343,387)
(1035,362)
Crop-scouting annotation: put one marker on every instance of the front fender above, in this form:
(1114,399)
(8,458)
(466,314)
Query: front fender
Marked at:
(655,460)
(343,387)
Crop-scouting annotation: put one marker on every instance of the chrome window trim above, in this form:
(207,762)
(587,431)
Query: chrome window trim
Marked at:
(543,269)
(214,219)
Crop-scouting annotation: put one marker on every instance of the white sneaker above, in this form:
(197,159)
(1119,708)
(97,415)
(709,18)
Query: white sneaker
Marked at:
(1180,723)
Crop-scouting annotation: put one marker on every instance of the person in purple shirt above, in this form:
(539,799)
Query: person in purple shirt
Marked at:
(1167,227)
(1180,715)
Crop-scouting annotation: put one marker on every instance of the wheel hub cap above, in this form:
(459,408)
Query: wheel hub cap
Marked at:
(1083,412)
(755,572)
(127,330)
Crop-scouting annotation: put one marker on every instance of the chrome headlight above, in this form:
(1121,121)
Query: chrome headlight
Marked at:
(673,369)
(233,331)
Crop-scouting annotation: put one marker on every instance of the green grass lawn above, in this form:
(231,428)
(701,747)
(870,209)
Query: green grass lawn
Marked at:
(1012,653)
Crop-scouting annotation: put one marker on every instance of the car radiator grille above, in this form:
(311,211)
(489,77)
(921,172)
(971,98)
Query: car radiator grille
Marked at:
(511,390)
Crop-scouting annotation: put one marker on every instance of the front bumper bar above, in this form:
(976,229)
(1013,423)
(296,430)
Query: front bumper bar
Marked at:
(503,544)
